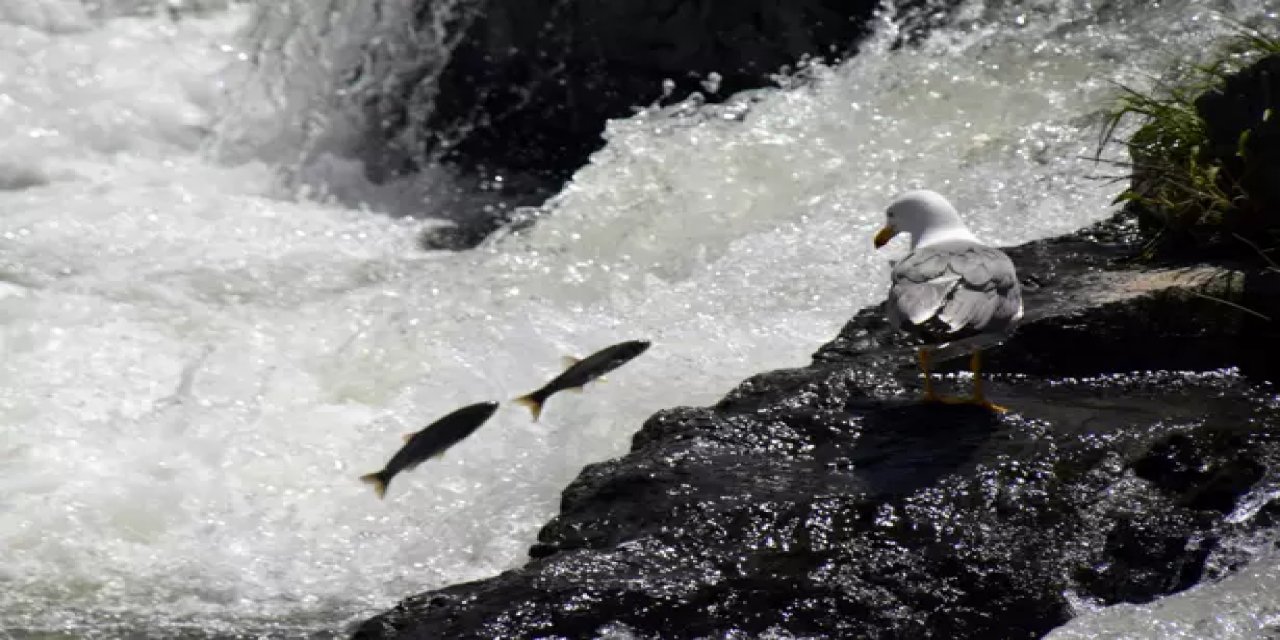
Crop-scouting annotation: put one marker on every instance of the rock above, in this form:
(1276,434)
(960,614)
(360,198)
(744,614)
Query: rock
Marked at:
(1242,118)
(826,501)
(529,84)
(1207,184)
(511,97)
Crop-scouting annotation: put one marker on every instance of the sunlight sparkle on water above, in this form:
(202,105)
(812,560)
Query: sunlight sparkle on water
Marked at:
(198,365)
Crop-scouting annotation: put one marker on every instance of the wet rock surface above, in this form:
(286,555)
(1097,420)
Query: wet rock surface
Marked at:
(1243,132)
(525,91)
(1229,148)
(531,83)
(825,501)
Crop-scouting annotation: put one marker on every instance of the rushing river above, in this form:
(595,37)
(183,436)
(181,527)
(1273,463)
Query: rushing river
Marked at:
(199,357)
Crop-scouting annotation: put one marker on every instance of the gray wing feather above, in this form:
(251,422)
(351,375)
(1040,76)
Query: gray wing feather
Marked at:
(971,308)
(916,302)
(962,284)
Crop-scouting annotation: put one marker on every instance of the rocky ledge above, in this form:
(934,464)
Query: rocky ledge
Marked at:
(825,501)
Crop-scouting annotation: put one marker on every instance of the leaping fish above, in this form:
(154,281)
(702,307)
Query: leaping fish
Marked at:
(432,441)
(580,372)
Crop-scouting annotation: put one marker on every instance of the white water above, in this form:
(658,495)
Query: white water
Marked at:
(1243,605)
(196,368)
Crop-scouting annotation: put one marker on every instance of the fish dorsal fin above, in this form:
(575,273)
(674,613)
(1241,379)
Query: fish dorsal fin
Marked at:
(569,361)
(408,436)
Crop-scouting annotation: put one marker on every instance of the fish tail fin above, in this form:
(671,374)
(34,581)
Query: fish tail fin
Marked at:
(379,482)
(533,402)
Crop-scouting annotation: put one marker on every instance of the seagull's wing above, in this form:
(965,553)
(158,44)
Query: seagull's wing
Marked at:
(962,284)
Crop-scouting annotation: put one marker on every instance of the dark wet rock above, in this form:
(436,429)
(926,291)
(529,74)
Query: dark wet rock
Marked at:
(824,501)
(1242,118)
(1210,186)
(511,97)
(531,83)
(524,95)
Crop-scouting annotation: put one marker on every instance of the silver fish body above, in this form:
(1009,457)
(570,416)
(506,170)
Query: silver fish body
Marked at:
(584,371)
(432,441)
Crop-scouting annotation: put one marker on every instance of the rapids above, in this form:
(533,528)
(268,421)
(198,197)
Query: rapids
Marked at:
(201,351)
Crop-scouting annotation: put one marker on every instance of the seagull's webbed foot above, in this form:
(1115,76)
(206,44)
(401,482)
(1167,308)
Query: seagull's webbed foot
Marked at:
(987,404)
(979,398)
(979,401)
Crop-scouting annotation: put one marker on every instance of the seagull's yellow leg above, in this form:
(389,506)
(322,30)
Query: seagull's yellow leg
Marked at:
(922,355)
(980,398)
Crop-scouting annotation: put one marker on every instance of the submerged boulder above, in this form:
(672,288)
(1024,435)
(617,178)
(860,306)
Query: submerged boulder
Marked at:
(529,84)
(517,96)
(825,501)
(512,96)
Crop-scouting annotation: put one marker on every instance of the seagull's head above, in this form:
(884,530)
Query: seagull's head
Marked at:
(924,215)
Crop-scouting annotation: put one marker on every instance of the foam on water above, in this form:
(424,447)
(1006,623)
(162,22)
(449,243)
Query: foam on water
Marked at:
(195,370)
(1240,606)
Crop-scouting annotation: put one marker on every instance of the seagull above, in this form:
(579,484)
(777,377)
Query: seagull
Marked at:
(950,289)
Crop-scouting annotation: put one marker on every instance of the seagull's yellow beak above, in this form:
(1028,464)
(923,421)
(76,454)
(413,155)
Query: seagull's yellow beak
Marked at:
(886,234)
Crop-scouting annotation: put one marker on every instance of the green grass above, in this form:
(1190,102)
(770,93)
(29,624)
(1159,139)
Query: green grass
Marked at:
(1185,194)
